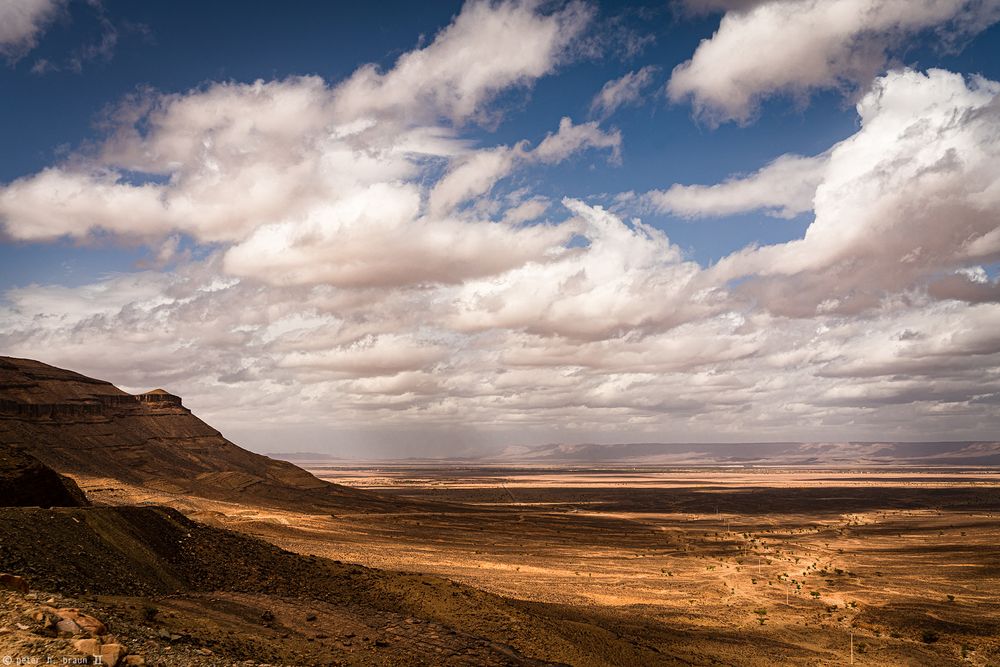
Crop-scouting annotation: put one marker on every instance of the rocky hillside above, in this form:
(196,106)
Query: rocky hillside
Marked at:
(182,593)
(88,428)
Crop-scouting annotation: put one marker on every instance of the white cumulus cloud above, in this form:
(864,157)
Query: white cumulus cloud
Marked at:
(795,47)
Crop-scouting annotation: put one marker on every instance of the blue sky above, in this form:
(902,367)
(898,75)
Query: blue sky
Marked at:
(102,94)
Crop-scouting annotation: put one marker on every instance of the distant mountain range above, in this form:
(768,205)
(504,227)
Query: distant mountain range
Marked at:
(966,453)
(824,454)
(302,456)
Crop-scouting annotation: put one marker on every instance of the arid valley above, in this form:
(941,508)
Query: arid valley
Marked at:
(680,566)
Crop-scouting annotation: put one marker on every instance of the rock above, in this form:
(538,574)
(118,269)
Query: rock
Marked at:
(111,654)
(205,651)
(87,646)
(68,626)
(311,617)
(85,622)
(135,660)
(12,582)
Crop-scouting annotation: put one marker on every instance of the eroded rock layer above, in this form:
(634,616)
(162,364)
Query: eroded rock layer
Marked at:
(84,427)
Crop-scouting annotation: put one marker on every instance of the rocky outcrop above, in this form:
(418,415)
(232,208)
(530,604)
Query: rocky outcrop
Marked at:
(27,482)
(159,397)
(27,625)
(89,428)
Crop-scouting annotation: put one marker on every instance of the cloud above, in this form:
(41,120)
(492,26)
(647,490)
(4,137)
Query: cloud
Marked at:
(525,211)
(783,189)
(912,195)
(702,7)
(570,138)
(22,23)
(302,181)
(376,238)
(476,174)
(797,47)
(970,284)
(369,357)
(628,277)
(488,48)
(621,92)
(377,362)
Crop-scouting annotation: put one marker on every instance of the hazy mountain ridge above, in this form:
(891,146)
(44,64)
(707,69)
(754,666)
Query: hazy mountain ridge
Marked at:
(963,453)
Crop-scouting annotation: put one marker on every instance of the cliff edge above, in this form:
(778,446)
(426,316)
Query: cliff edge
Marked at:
(84,427)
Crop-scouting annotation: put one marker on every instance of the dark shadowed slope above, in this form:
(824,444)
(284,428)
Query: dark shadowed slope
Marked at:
(84,427)
(27,482)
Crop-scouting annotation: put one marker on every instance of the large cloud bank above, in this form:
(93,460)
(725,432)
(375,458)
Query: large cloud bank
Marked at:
(364,271)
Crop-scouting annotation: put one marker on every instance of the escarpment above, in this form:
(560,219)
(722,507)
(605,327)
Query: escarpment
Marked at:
(88,428)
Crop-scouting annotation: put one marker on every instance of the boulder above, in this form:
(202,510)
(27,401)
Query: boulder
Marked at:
(13,582)
(86,623)
(67,626)
(87,646)
(112,654)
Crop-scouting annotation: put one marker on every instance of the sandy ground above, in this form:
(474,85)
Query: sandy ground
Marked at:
(746,566)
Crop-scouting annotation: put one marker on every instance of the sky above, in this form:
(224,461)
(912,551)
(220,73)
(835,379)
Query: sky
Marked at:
(441,229)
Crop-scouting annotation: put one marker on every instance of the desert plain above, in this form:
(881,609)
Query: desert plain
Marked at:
(714,565)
